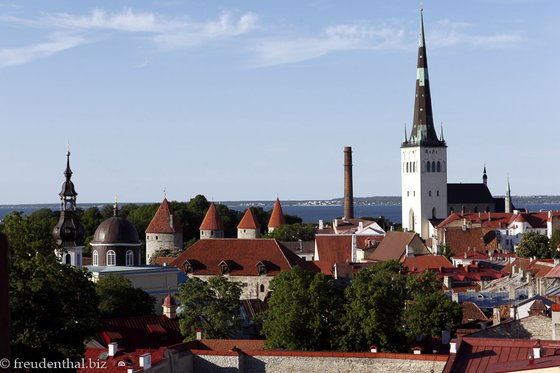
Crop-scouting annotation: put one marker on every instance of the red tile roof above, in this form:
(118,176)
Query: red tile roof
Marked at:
(164,221)
(132,333)
(480,355)
(393,246)
(334,249)
(96,360)
(461,241)
(277,217)
(241,256)
(212,220)
(423,262)
(471,312)
(248,221)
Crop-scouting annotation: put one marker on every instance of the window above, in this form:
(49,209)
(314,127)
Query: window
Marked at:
(428,168)
(433,166)
(439,166)
(111,258)
(406,166)
(95,259)
(437,193)
(129,258)
(68,259)
(262,288)
(430,193)
(78,259)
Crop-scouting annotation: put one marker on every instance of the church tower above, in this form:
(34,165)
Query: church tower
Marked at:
(68,232)
(423,158)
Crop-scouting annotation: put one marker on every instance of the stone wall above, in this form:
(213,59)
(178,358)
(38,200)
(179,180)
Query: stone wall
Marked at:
(316,362)
(157,241)
(253,287)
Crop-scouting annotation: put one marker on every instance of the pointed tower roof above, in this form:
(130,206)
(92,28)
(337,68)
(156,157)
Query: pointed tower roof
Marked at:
(277,217)
(248,221)
(68,189)
(423,131)
(164,221)
(212,220)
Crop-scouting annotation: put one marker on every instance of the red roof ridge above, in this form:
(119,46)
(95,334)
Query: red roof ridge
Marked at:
(212,220)
(164,221)
(248,221)
(277,217)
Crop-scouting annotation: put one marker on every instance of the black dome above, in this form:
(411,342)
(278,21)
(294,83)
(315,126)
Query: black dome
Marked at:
(116,230)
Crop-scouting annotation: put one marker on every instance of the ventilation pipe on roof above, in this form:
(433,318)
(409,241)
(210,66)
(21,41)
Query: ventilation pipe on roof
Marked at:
(199,332)
(537,349)
(453,346)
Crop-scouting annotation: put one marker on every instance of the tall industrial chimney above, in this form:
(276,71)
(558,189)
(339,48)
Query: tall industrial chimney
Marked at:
(4,299)
(348,188)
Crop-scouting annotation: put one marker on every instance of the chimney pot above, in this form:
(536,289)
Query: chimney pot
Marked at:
(199,334)
(145,361)
(112,349)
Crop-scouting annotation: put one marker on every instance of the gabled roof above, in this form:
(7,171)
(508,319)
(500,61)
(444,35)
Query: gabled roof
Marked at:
(164,221)
(240,255)
(120,362)
(471,312)
(393,246)
(248,221)
(334,248)
(277,217)
(424,262)
(468,193)
(212,220)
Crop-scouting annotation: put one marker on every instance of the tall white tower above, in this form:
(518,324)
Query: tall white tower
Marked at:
(423,158)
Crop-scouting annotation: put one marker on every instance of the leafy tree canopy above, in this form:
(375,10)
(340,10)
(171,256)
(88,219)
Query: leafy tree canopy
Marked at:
(53,306)
(534,245)
(303,311)
(293,232)
(118,298)
(212,306)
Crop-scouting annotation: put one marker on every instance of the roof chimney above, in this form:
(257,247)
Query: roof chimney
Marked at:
(112,349)
(537,349)
(555,308)
(199,332)
(145,361)
(348,188)
(453,346)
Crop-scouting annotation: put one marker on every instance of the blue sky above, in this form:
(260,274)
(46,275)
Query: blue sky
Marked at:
(254,99)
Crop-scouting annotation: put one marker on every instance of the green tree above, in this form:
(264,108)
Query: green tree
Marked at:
(428,310)
(169,253)
(293,232)
(446,251)
(118,298)
(212,306)
(534,244)
(53,306)
(554,243)
(303,311)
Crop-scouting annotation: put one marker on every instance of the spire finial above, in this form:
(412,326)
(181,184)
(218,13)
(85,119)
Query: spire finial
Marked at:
(164,192)
(68,171)
(68,148)
(116,207)
(405,134)
(442,139)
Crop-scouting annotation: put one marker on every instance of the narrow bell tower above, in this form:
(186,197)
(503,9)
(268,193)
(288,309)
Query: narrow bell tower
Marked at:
(423,157)
(68,232)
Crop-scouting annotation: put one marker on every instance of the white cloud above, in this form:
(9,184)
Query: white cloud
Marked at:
(336,38)
(195,33)
(18,56)
(446,34)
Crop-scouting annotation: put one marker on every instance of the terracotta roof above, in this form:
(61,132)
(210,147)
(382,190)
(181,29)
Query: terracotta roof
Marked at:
(164,221)
(461,241)
(334,249)
(365,242)
(277,217)
(423,262)
(554,272)
(132,333)
(241,256)
(469,273)
(248,221)
(393,246)
(482,355)
(120,362)
(169,300)
(212,220)
(163,260)
(471,312)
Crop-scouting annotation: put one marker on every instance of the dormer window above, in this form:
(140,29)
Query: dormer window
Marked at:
(224,268)
(188,267)
(261,268)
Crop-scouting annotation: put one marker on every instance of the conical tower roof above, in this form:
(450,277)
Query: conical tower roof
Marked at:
(212,220)
(164,221)
(277,217)
(423,130)
(248,221)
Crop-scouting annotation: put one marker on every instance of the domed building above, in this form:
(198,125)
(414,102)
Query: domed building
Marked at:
(116,243)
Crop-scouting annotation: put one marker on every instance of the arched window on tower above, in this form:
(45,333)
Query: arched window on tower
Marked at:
(68,259)
(439,166)
(111,258)
(129,258)
(433,213)
(428,168)
(95,258)
(433,166)
(407,167)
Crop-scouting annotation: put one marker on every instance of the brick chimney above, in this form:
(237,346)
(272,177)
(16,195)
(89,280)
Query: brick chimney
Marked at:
(555,308)
(4,298)
(348,188)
